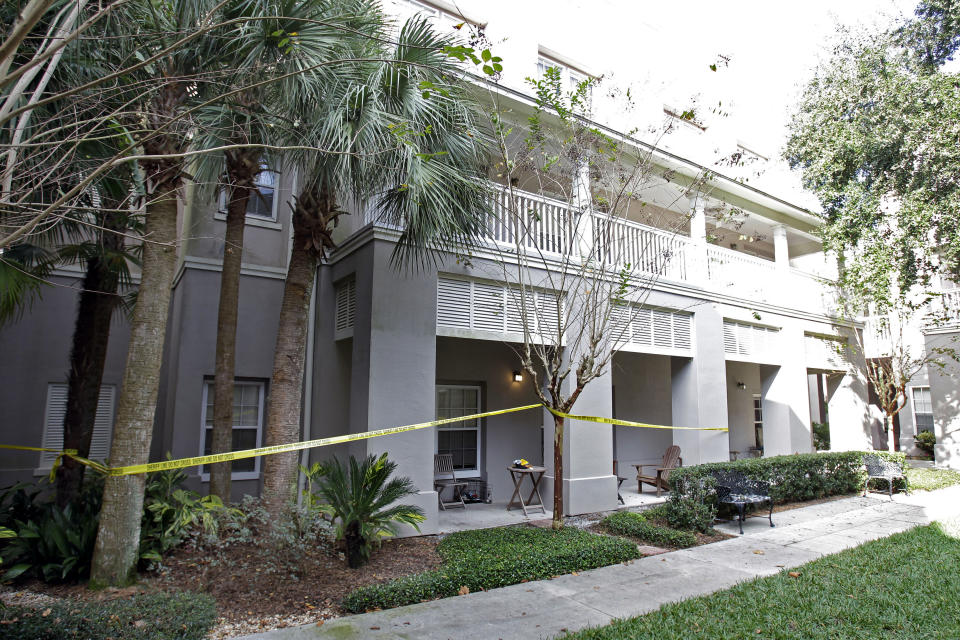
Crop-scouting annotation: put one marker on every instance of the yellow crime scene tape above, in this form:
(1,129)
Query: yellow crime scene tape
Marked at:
(323,442)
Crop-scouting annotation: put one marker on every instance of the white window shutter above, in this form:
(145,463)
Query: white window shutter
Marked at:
(56,412)
(662,328)
(453,303)
(103,426)
(53,423)
(643,327)
(488,307)
(682,330)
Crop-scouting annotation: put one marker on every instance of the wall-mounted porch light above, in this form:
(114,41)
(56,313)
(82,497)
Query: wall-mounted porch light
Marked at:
(518,376)
(741,385)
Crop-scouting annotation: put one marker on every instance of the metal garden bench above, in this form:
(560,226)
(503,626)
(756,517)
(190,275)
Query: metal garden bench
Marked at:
(883,469)
(735,488)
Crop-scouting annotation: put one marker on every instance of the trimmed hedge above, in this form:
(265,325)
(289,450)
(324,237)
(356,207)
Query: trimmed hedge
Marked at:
(636,525)
(491,558)
(156,616)
(793,478)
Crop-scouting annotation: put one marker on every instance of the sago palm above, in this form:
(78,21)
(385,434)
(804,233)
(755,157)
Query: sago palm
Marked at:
(383,145)
(360,498)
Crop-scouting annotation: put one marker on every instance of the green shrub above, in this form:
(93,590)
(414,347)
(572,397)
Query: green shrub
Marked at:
(363,502)
(794,478)
(51,544)
(926,440)
(692,508)
(157,616)
(636,525)
(821,436)
(490,558)
(54,544)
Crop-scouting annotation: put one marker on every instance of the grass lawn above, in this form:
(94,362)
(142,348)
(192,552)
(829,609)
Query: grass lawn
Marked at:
(932,479)
(490,558)
(904,586)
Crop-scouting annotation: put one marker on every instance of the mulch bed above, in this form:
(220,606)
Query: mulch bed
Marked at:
(250,601)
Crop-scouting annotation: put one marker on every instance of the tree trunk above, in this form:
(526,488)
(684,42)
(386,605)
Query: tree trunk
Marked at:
(241,170)
(558,423)
(888,425)
(118,537)
(286,384)
(91,336)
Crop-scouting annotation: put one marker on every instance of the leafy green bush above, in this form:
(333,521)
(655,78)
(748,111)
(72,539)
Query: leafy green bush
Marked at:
(636,525)
(363,502)
(490,558)
(54,544)
(278,543)
(692,508)
(171,513)
(926,440)
(51,544)
(157,616)
(821,436)
(794,478)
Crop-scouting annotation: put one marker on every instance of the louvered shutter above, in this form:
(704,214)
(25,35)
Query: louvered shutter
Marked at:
(453,303)
(643,327)
(55,413)
(488,307)
(346,302)
(662,328)
(682,330)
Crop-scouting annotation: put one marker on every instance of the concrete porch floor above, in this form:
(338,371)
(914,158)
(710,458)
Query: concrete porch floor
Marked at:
(485,516)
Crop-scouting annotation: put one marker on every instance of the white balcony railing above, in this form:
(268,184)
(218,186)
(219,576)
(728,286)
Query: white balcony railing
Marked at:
(548,226)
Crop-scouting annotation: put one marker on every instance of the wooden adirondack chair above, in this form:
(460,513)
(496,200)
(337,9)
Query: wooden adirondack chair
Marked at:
(660,480)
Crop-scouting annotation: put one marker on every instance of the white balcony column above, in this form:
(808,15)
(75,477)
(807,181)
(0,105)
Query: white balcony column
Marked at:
(583,236)
(698,269)
(699,392)
(781,250)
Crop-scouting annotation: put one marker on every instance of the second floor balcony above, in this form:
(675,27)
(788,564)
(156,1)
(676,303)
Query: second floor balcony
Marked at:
(548,228)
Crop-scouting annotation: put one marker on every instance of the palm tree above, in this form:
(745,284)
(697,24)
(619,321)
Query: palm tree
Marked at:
(419,161)
(162,131)
(292,42)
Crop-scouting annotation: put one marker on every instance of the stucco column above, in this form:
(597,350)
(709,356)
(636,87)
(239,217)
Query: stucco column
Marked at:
(945,396)
(781,249)
(588,481)
(393,379)
(785,397)
(698,272)
(699,396)
(848,407)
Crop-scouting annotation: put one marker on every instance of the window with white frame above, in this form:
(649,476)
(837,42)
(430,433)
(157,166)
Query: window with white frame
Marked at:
(56,412)
(459,439)
(570,78)
(248,406)
(758,420)
(262,202)
(922,409)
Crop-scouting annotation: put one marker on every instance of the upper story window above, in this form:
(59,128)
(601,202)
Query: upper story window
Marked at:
(570,75)
(445,15)
(262,204)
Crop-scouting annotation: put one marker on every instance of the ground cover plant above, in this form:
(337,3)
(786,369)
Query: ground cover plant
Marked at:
(932,479)
(490,558)
(643,527)
(156,616)
(903,586)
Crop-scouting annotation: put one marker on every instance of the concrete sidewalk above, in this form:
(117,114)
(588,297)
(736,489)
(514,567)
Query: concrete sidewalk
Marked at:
(546,608)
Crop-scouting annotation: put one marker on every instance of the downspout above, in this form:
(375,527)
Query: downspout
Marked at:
(308,390)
